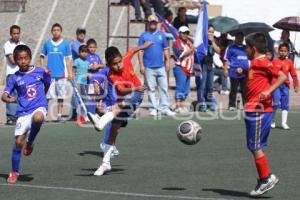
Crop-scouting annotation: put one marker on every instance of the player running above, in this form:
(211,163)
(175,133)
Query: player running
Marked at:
(281,94)
(258,108)
(130,95)
(31,84)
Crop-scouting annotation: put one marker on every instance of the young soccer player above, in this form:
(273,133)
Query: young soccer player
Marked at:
(31,84)
(258,108)
(80,68)
(281,94)
(126,82)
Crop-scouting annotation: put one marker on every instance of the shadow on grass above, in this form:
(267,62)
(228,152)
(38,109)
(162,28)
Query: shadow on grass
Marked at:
(92,170)
(93,153)
(233,193)
(174,188)
(21,178)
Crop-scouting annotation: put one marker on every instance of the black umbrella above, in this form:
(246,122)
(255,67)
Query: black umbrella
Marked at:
(250,27)
(222,24)
(288,23)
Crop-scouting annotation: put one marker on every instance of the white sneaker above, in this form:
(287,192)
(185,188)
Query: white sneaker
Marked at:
(224,92)
(285,127)
(104,168)
(168,112)
(232,109)
(94,118)
(263,187)
(273,125)
(153,113)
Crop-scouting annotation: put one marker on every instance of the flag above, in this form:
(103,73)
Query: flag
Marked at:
(201,35)
(169,27)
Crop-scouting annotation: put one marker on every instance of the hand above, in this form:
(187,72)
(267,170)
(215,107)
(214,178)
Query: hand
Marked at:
(239,70)
(226,72)
(12,99)
(141,88)
(296,89)
(142,69)
(264,95)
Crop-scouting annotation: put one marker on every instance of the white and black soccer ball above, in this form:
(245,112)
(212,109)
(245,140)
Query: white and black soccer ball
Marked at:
(189,132)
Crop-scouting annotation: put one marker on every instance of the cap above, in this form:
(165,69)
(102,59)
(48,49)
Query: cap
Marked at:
(152,18)
(183,29)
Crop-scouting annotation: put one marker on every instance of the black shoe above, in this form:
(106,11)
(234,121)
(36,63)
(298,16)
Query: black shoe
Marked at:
(10,122)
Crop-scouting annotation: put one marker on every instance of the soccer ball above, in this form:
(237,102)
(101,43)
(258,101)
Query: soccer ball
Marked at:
(189,132)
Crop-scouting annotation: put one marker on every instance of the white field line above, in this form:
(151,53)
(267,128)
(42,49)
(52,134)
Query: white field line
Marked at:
(92,4)
(128,194)
(36,50)
(117,25)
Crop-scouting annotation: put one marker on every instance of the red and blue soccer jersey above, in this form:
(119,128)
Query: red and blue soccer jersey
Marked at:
(127,77)
(260,77)
(30,86)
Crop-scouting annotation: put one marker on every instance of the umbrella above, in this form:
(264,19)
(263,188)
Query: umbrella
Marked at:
(288,23)
(222,24)
(250,27)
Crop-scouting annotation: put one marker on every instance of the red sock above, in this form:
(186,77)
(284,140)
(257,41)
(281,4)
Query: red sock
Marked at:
(262,167)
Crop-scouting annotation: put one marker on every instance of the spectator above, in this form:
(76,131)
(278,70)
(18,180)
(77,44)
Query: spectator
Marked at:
(157,5)
(285,38)
(180,19)
(80,40)
(154,67)
(205,84)
(184,60)
(237,60)
(59,56)
(11,68)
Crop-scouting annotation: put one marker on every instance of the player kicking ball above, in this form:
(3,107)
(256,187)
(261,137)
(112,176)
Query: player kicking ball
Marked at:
(130,93)
(258,108)
(31,84)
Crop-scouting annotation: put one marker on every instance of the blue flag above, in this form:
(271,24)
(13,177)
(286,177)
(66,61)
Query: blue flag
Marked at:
(201,35)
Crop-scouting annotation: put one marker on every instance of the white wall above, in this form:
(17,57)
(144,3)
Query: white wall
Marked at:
(268,11)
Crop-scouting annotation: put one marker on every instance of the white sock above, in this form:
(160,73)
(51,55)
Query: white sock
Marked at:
(107,152)
(105,119)
(284,116)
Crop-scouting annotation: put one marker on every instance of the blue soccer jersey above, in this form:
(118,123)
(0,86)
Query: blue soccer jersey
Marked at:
(56,53)
(93,59)
(237,57)
(107,90)
(153,55)
(30,87)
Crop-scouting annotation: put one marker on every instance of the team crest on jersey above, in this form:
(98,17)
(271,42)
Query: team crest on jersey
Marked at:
(160,37)
(31,92)
(55,49)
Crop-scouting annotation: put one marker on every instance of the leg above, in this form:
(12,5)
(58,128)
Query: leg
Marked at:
(137,8)
(146,8)
(203,87)
(209,89)
(243,89)
(162,84)
(60,87)
(180,85)
(276,105)
(284,90)
(11,108)
(150,79)
(158,7)
(233,92)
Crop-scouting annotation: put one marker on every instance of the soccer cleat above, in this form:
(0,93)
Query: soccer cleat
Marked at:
(202,108)
(273,125)
(12,178)
(80,121)
(94,118)
(232,109)
(285,127)
(264,186)
(104,168)
(153,113)
(27,150)
(168,112)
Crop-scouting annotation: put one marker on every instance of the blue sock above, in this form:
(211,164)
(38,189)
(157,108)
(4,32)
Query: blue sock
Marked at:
(91,106)
(15,159)
(34,130)
(107,133)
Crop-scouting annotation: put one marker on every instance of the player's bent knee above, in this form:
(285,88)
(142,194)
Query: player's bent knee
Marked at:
(38,117)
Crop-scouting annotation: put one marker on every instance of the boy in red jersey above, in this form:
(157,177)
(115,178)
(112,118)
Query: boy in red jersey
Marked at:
(130,93)
(281,94)
(258,108)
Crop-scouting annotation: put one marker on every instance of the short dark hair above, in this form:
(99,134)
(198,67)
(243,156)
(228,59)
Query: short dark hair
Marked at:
(14,27)
(168,13)
(80,31)
(257,41)
(83,48)
(56,25)
(21,48)
(181,9)
(111,53)
(91,41)
(284,45)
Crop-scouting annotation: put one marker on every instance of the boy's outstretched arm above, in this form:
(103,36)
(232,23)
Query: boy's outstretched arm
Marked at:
(279,81)
(143,46)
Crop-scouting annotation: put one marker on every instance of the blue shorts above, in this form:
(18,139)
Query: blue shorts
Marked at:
(281,98)
(130,105)
(258,126)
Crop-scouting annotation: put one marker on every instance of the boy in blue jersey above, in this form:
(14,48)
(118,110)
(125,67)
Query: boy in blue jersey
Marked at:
(31,84)
(59,56)
(237,61)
